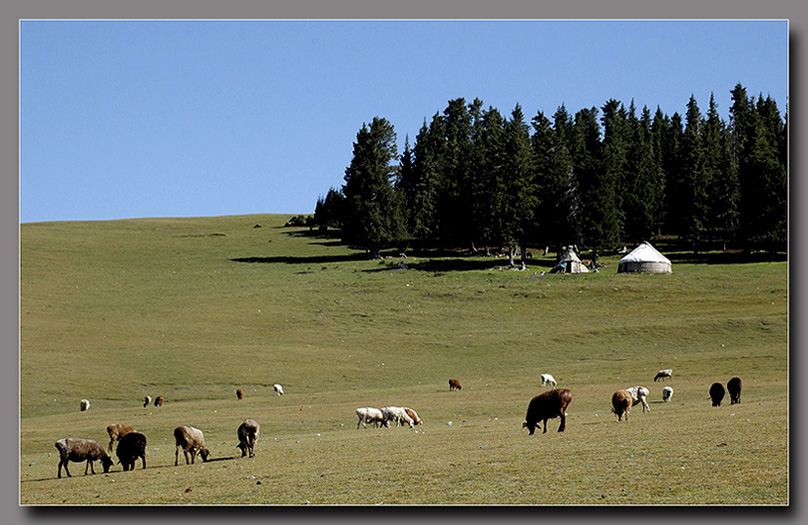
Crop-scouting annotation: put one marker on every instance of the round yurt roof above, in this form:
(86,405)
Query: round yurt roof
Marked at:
(644,258)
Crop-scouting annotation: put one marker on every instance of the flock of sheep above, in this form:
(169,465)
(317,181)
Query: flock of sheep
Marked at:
(547,405)
(554,403)
(132,444)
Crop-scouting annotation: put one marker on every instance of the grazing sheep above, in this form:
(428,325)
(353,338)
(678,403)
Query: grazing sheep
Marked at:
(78,450)
(278,389)
(239,393)
(158,401)
(413,415)
(662,374)
(116,432)
(369,415)
(640,395)
(667,393)
(146,401)
(190,440)
(84,404)
(131,447)
(397,415)
(717,394)
(550,404)
(734,388)
(247,436)
(622,401)
(454,384)
(548,379)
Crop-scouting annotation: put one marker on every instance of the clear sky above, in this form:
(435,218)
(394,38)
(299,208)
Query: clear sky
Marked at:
(123,119)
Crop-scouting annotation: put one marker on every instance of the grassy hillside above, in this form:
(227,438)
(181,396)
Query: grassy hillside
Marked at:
(192,309)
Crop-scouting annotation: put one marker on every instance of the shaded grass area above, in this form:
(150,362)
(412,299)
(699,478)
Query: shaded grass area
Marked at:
(192,309)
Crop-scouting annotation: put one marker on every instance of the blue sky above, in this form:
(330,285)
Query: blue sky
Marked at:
(124,119)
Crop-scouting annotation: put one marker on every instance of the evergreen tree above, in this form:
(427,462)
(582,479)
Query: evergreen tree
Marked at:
(722,178)
(556,214)
(372,218)
(645,189)
(329,211)
(694,178)
(519,197)
(672,165)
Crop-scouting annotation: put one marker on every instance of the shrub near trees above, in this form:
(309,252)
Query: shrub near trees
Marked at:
(600,178)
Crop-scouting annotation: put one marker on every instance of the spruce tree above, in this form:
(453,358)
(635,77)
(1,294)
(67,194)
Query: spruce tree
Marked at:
(371,213)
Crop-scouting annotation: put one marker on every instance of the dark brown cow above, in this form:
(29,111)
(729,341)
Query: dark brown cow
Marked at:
(454,384)
(550,404)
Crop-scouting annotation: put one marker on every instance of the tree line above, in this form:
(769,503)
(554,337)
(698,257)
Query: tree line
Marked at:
(600,178)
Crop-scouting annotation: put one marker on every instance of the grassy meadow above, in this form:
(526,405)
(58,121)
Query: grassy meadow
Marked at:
(192,309)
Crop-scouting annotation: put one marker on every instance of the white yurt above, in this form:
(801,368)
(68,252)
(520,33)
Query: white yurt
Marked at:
(569,262)
(644,258)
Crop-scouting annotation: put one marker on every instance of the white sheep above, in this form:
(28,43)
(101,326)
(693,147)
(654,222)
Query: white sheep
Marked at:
(548,379)
(84,404)
(369,415)
(662,374)
(278,389)
(639,394)
(667,392)
(146,401)
(397,415)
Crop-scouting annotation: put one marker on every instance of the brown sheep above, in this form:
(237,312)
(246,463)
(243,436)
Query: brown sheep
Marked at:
(717,394)
(78,450)
(454,384)
(158,401)
(116,432)
(190,440)
(131,447)
(621,403)
(247,436)
(734,388)
(550,404)
(239,393)
(413,415)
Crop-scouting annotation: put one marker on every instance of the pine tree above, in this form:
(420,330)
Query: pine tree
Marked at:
(372,218)
(694,177)
(556,215)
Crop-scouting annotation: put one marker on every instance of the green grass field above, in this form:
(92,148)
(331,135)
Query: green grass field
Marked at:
(192,309)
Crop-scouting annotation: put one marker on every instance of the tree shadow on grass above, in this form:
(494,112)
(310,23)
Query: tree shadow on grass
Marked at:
(445,265)
(729,257)
(314,259)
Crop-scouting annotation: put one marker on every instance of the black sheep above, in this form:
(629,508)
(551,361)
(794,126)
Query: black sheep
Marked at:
(734,388)
(131,447)
(717,393)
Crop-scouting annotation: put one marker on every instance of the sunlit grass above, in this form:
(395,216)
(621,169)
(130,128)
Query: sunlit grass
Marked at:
(192,309)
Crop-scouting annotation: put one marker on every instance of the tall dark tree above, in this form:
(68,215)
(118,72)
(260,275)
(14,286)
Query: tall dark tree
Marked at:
(722,192)
(487,188)
(519,198)
(644,190)
(372,217)
(556,215)
(426,184)
(694,177)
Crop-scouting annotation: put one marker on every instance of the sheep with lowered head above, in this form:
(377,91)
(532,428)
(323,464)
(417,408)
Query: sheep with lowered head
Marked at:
(78,450)
(247,436)
(622,401)
(131,447)
(192,441)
